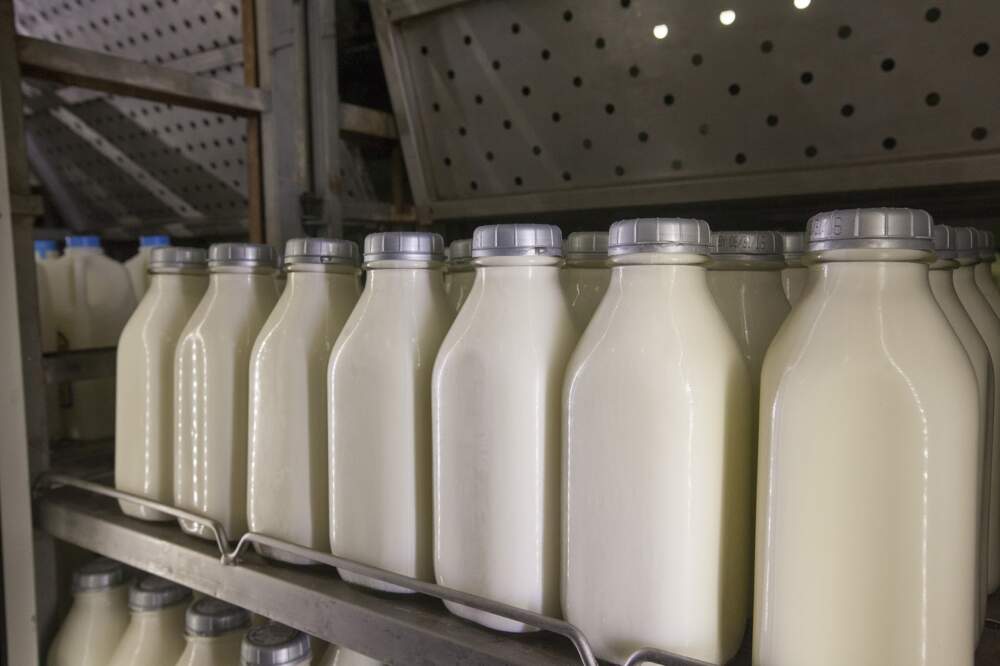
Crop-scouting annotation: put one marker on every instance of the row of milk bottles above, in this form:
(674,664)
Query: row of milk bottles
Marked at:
(609,477)
(150,621)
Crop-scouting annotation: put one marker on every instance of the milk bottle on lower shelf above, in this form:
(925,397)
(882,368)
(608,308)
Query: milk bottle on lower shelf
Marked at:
(868,460)
(144,414)
(138,265)
(496,413)
(658,457)
(155,634)
(585,275)
(460,274)
(793,275)
(96,620)
(274,644)
(46,252)
(943,287)
(211,378)
(380,465)
(287,484)
(338,656)
(214,632)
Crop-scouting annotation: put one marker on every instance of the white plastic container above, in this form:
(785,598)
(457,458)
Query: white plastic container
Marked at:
(338,656)
(866,531)
(96,620)
(496,411)
(274,644)
(658,457)
(46,252)
(155,634)
(460,274)
(211,379)
(794,274)
(287,485)
(144,413)
(585,274)
(380,462)
(138,265)
(214,632)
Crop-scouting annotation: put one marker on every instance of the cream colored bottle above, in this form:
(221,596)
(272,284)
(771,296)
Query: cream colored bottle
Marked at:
(96,620)
(380,465)
(658,457)
(155,634)
(213,631)
(211,379)
(496,413)
(138,265)
(46,252)
(338,656)
(866,530)
(793,275)
(287,482)
(585,275)
(943,287)
(144,411)
(272,644)
(460,273)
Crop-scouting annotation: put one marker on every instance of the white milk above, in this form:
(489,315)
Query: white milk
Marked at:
(585,275)
(658,457)
(138,265)
(338,656)
(211,376)
(214,632)
(96,620)
(287,483)
(496,415)
(460,275)
(866,531)
(144,413)
(943,287)
(380,461)
(92,299)
(47,251)
(155,634)
(274,643)
(793,275)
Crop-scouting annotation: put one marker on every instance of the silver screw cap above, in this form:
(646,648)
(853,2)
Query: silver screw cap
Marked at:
(747,245)
(793,243)
(250,255)
(460,251)
(987,244)
(944,242)
(98,574)
(517,240)
(211,617)
(674,235)
(273,644)
(153,593)
(872,228)
(169,259)
(321,251)
(404,246)
(586,245)
(966,242)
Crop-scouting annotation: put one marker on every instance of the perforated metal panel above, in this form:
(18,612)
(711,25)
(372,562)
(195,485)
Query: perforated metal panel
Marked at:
(523,105)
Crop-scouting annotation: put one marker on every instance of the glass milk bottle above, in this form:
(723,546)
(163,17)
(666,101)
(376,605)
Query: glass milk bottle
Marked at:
(793,275)
(658,457)
(868,460)
(943,287)
(96,620)
(214,632)
(585,275)
(288,395)
(138,265)
(274,644)
(155,634)
(144,411)
(496,412)
(338,656)
(460,274)
(380,466)
(211,378)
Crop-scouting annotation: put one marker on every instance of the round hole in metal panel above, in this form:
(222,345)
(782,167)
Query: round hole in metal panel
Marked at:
(734,89)
(932,15)
(932,99)
(609,109)
(771,120)
(599,43)
(766,46)
(556,117)
(587,144)
(979,133)
(811,151)
(546,54)
(567,16)
(889,143)
(643,137)
(697,59)
(536,150)
(888,64)
(847,110)
(619,170)
(806,78)
(518,181)
(668,100)
(567,176)
(577,81)
(515,28)
(981,49)
(525,90)
(633,71)
(844,31)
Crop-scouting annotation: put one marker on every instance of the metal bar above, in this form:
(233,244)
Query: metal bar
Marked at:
(90,69)
(69,366)
(368,122)
(378,211)
(328,113)
(652,655)
(251,78)
(400,10)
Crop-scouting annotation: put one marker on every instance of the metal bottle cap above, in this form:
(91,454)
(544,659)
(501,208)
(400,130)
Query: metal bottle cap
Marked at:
(44,246)
(211,617)
(98,574)
(674,235)
(460,251)
(153,593)
(404,246)
(158,240)
(987,245)
(273,644)
(250,255)
(321,251)
(966,242)
(793,243)
(944,242)
(170,258)
(517,240)
(872,228)
(584,245)
(747,245)
(83,241)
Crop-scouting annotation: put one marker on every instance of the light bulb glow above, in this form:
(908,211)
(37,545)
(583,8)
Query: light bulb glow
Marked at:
(802,4)
(727,17)
(660,31)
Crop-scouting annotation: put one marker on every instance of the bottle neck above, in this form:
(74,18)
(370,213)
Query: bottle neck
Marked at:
(102,598)
(860,280)
(395,277)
